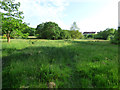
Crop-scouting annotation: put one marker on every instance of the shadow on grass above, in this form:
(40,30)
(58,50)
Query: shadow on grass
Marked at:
(63,57)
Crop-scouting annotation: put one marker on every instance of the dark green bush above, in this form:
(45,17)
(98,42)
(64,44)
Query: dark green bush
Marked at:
(75,34)
(105,34)
(65,34)
(48,30)
(110,37)
(39,30)
(89,36)
(116,38)
(29,30)
(97,36)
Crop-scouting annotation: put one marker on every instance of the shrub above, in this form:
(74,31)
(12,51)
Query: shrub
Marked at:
(85,36)
(65,34)
(97,36)
(29,30)
(4,36)
(75,34)
(116,38)
(25,36)
(89,36)
(110,37)
(104,34)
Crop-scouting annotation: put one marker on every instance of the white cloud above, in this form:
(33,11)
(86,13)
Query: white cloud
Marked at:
(78,1)
(38,11)
(107,17)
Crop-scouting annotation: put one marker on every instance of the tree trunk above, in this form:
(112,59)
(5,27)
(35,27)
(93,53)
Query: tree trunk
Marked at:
(8,38)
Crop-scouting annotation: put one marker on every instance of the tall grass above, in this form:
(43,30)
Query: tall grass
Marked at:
(69,64)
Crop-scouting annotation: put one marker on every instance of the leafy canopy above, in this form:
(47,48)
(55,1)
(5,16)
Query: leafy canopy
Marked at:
(11,17)
(105,34)
(11,9)
(48,30)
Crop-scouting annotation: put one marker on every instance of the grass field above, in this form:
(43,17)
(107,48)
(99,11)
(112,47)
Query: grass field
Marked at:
(32,63)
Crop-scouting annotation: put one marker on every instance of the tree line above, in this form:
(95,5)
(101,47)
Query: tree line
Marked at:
(109,34)
(51,30)
(14,27)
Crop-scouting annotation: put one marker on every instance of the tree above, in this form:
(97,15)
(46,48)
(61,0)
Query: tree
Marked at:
(29,30)
(74,26)
(116,38)
(20,30)
(39,30)
(11,17)
(48,30)
(105,34)
(76,34)
(65,34)
(9,26)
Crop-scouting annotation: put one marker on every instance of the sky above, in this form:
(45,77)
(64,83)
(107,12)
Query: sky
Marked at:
(89,15)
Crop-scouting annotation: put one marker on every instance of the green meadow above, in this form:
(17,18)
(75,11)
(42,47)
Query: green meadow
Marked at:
(33,63)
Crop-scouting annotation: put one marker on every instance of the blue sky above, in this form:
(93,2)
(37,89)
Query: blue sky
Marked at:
(79,11)
(90,15)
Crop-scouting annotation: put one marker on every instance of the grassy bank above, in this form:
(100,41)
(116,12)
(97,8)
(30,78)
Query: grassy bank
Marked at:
(69,64)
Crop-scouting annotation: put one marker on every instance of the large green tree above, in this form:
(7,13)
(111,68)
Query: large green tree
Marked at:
(48,30)
(11,17)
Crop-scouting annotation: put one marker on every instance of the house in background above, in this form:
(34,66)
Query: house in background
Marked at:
(89,33)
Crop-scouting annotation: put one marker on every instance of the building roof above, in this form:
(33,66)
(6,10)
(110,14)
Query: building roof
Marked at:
(89,32)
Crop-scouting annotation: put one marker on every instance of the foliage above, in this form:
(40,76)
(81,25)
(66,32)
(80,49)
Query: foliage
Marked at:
(39,30)
(11,17)
(104,34)
(65,34)
(29,30)
(89,36)
(116,38)
(110,37)
(76,34)
(20,35)
(48,30)
(85,36)
(14,27)
(98,36)
(74,26)
(4,36)
(11,9)
(9,26)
